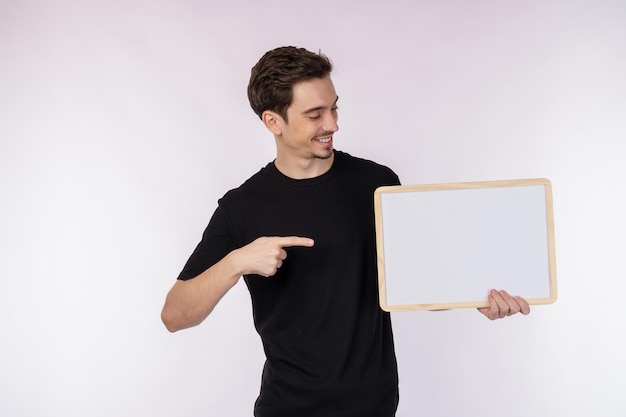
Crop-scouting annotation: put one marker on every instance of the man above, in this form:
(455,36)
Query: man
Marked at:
(301,233)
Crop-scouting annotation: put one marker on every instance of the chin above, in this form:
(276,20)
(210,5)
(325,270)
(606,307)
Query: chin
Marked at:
(325,155)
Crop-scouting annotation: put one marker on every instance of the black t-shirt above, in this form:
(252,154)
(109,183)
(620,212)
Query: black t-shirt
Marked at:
(329,346)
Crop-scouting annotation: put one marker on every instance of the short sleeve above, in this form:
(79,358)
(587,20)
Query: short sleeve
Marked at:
(216,243)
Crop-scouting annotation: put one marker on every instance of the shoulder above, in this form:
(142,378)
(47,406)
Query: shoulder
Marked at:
(246,191)
(365,168)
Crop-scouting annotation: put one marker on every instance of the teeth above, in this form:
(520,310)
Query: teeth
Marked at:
(324,140)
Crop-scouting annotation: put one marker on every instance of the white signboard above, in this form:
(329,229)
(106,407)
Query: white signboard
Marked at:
(445,246)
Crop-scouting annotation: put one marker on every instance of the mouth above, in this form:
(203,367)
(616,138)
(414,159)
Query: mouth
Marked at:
(324,140)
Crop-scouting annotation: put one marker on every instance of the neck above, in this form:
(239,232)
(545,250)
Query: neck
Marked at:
(305,168)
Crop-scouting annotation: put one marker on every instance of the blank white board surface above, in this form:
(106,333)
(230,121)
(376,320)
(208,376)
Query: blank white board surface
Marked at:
(445,246)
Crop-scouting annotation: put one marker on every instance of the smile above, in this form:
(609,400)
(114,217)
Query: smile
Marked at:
(324,140)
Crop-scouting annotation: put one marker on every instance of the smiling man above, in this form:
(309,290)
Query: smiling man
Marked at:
(301,233)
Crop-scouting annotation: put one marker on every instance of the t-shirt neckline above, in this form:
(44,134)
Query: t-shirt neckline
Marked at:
(307,182)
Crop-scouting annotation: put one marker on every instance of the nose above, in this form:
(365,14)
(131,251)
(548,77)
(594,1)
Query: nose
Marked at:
(330,122)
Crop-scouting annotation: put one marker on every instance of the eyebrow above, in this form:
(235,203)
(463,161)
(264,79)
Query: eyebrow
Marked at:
(318,108)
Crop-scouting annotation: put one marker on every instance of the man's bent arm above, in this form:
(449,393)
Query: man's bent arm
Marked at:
(189,302)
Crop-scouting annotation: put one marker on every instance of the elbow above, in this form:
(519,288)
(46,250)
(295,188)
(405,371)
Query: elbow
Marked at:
(179,312)
(175,320)
(169,320)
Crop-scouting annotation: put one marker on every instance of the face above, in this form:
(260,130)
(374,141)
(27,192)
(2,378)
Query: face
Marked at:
(306,139)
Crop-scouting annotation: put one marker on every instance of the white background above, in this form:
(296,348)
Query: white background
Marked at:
(123,122)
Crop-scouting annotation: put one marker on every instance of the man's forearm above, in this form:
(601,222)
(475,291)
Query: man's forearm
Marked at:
(189,302)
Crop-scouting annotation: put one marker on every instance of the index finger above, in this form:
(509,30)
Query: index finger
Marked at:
(288,241)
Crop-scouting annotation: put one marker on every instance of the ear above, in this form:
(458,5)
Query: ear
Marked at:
(273,122)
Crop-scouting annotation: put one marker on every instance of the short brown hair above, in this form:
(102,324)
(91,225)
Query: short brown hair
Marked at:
(272,78)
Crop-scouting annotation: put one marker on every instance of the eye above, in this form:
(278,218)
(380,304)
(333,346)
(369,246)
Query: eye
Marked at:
(317,116)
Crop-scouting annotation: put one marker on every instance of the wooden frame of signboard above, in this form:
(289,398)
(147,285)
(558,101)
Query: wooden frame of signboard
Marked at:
(444,246)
